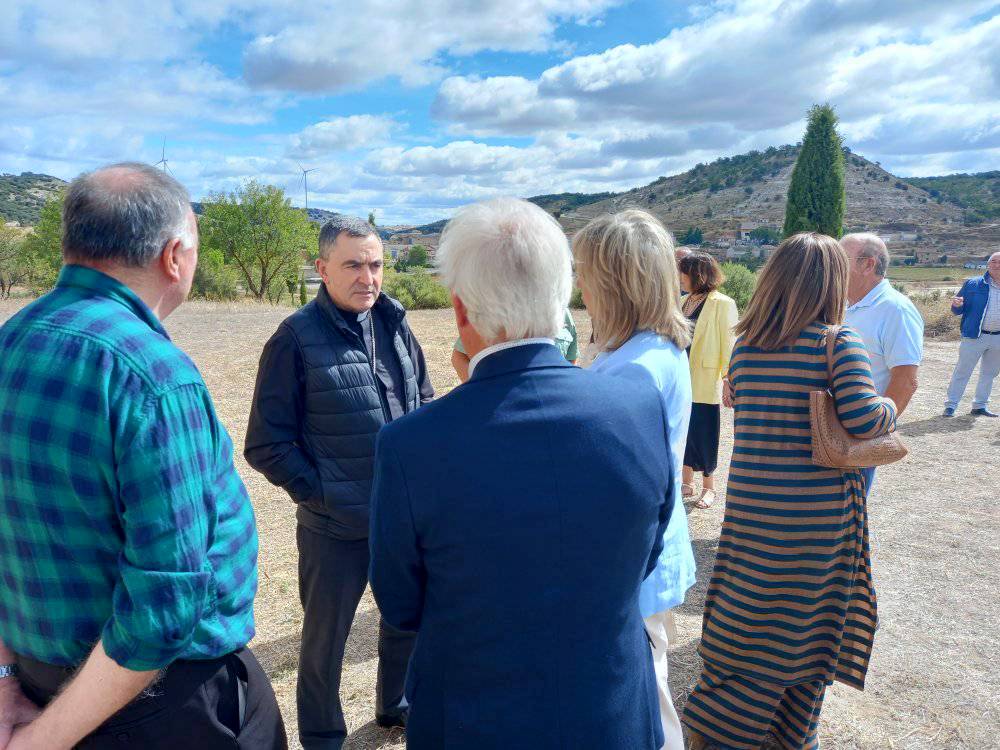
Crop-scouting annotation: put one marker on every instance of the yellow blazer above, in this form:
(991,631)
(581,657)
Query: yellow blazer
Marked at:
(711,348)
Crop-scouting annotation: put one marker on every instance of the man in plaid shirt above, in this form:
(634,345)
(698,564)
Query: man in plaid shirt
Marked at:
(128,548)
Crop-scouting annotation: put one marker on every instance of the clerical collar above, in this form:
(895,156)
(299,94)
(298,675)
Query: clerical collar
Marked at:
(350,316)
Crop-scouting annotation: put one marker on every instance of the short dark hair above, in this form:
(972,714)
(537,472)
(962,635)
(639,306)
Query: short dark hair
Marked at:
(123,213)
(704,272)
(352,226)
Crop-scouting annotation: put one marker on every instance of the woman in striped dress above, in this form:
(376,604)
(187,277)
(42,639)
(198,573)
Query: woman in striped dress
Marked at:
(790,606)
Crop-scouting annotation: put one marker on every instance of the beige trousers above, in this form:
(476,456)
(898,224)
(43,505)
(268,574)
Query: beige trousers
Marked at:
(661,629)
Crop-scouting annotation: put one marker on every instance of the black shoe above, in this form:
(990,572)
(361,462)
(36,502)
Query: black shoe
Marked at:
(949,411)
(984,413)
(389,721)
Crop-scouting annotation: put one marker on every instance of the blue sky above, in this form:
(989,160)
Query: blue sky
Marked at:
(414,107)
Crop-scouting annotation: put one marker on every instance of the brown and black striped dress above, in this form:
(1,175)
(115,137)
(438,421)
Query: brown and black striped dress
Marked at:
(790,606)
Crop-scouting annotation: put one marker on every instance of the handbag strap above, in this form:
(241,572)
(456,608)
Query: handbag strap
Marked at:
(831,341)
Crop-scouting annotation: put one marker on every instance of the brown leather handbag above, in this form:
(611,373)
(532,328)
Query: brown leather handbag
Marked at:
(832,445)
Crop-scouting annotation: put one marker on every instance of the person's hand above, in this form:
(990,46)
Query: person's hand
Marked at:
(957,301)
(728,393)
(15,711)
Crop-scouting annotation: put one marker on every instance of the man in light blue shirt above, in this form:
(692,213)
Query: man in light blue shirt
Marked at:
(887,321)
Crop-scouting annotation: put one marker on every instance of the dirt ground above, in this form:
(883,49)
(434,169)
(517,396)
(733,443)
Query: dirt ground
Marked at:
(935,521)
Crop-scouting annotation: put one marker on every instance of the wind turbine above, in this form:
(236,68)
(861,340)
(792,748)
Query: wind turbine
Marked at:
(305,184)
(163,157)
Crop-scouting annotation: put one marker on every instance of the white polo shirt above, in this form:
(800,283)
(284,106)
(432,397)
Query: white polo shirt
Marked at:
(891,328)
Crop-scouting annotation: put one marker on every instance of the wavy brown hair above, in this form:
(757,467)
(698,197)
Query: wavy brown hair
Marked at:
(704,272)
(803,282)
(627,262)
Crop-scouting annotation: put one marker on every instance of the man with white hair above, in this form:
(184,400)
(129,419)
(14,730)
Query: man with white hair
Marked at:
(129,547)
(514,520)
(887,321)
(978,302)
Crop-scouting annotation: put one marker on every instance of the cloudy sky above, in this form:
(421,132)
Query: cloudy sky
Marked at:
(414,107)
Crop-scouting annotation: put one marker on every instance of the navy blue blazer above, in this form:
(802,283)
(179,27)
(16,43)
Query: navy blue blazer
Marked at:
(512,523)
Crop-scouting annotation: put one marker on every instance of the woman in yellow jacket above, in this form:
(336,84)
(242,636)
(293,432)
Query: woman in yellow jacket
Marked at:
(714,315)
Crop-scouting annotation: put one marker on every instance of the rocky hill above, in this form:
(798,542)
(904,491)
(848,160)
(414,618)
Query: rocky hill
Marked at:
(954,215)
(749,190)
(22,196)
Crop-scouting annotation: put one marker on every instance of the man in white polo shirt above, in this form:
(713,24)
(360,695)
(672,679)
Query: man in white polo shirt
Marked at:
(887,321)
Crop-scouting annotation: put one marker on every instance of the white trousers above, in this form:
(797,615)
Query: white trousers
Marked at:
(661,628)
(985,349)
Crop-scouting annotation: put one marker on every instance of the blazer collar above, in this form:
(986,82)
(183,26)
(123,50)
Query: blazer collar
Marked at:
(518,358)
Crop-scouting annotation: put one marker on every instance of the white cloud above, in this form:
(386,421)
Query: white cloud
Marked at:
(328,137)
(375,39)
(501,103)
(756,65)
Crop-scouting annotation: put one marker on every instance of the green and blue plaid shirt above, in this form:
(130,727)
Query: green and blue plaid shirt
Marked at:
(122,517)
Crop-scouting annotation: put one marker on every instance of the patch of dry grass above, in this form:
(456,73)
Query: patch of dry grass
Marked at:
(939,321)
(935,522)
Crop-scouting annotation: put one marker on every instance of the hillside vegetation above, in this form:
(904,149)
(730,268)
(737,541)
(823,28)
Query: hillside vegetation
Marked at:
(979,193)
(22,196)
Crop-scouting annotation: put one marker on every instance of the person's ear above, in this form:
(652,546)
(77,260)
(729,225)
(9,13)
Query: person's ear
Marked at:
(169,261)
(321,268)
(461,312)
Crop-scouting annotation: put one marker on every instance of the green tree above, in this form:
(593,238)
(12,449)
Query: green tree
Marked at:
(371,218)
(417,257)
(740,283)
(766,235)
(259,234)
(43,247)
(693,236)
(816,194)
(14,268)
(303,297)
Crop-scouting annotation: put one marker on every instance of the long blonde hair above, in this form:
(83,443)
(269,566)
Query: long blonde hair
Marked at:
(626,261)
(803,282)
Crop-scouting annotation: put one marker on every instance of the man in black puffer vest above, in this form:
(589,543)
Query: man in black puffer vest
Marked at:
(331,375)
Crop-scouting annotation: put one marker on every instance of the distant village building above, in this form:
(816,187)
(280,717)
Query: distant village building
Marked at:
(746,227)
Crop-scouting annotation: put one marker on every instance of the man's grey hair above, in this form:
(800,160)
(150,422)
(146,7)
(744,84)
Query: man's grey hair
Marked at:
(509,262)
(871,246)
(124,214)
(352,226)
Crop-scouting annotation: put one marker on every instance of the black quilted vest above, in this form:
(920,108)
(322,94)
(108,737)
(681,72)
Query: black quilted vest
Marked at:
(343,411)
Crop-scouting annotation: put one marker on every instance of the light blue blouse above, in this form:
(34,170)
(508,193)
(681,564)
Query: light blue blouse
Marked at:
(648,357)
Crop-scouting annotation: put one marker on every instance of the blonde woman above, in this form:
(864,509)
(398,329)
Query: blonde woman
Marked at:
(628,277)
(790,606)
(713,315)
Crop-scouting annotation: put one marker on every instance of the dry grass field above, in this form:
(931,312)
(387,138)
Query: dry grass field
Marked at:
(935,521)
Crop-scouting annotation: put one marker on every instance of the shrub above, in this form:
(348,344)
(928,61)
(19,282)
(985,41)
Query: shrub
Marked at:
(213,279)
(416,290)
(576,299)
(740,283)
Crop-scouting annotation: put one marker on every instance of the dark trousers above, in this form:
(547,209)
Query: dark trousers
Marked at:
(219,703)
(333,574)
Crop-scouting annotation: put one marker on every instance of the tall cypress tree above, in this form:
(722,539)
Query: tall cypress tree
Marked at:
(816,194)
